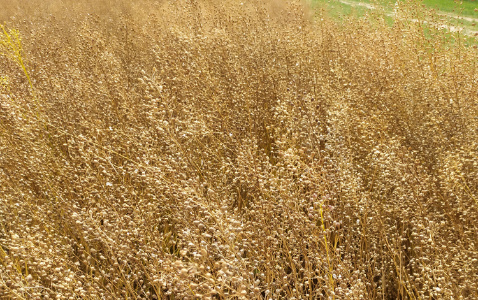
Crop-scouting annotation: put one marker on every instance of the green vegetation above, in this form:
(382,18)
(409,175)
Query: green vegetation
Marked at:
(466,8)
(446,18)
(464,13)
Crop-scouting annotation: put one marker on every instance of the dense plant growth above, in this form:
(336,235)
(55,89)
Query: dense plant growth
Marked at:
(226,150)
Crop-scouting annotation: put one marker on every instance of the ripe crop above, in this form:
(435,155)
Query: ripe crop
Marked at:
(235,150)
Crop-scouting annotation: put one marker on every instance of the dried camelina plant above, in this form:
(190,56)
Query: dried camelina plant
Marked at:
(235,150)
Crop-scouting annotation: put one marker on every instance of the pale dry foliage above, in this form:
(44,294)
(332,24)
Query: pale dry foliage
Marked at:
(226,150)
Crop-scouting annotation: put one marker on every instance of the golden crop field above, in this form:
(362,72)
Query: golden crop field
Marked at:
(223,149)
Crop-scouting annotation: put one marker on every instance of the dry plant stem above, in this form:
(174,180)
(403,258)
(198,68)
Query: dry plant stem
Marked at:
(11,47)
(326,245)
